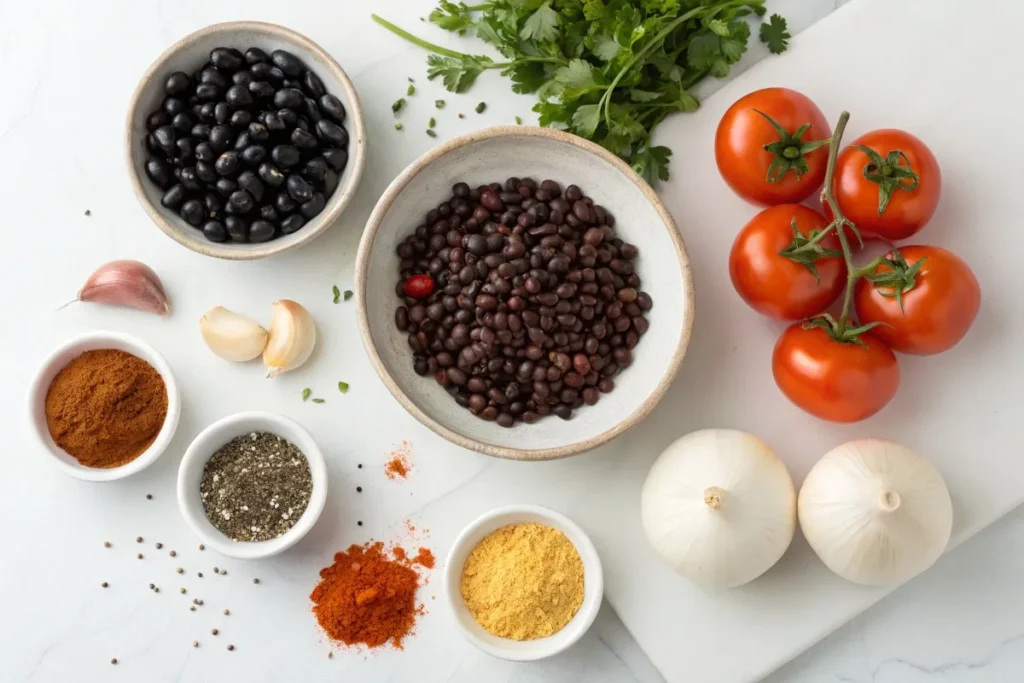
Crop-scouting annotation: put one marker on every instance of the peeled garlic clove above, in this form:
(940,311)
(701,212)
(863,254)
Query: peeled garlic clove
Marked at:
(292,337)
(126,283)
(231,336)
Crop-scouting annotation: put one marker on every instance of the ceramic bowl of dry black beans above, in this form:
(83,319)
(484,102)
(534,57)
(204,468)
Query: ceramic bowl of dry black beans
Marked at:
(523,293)
(245,139)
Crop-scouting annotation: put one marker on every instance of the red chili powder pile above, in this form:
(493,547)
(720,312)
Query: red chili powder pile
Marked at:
(398,466)
(367,598)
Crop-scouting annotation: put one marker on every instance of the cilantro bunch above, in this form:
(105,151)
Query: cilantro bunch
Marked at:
(607,70)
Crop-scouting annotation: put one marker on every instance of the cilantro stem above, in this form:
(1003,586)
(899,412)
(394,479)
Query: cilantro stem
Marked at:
(418,41)
(659,38)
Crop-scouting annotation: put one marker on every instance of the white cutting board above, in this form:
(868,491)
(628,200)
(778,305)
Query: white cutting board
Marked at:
(930,68)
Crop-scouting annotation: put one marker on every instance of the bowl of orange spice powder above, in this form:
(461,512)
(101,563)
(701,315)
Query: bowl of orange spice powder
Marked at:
(104,405)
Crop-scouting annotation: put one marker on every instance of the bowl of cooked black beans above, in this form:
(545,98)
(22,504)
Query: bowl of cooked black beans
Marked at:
(523,293)
(245,139)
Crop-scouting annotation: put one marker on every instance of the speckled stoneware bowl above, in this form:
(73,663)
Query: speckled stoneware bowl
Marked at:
(492,155)
(190,53)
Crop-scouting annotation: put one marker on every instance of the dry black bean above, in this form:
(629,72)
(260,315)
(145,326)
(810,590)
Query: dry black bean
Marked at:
(532,286)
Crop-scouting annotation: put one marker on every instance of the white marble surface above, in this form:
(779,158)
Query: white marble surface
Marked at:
(962,622)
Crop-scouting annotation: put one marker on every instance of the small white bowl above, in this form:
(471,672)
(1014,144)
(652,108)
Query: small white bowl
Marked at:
(67,352)
(190,53)
(524,650)
(190,474)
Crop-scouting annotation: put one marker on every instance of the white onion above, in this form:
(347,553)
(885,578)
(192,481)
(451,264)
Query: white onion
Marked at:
(719,507)
(875,512)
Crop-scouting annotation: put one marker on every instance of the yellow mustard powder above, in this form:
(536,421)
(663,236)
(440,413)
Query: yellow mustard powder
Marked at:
(523,581)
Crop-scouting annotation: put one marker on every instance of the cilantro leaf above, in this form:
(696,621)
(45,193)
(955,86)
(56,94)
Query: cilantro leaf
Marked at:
(542,25)
(652,162)
(775,35)
(458,74)
(586,119)
(577,74)
(452,17)
(605,48)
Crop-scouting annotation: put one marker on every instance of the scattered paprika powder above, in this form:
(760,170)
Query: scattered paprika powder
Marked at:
(367,598)
(398,466)
(106,407)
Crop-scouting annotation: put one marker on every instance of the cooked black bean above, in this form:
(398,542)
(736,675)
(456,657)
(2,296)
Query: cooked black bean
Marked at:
(285,156)
(253,154)
(227,59)
(174,197)
(313,207)
(332,133)
(302,139)
(193,212)
(285,204)
(312,84)
(525,294)
(238,228)
(159,172)
(336,158)
(261,231)
(315,169)
(250,182)
(254,55)
(288,63)
(271,175)
(215,231)
(332,107)
(299,189)
(227,163)
(240,201)
(292,223)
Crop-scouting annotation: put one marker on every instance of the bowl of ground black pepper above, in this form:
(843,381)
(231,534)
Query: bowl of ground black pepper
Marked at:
(524,582)
(252,484)
(104,406)
(523,293)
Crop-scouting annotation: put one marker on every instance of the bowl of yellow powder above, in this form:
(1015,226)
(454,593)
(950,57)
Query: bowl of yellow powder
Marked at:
(524,582)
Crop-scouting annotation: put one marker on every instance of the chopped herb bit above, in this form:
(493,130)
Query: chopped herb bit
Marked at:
(440,104)
(775,35)
(347,295)
(399,126)
(337,293)
(88,212)
(411,90)
(432,122)
(398,104)
(343,387)
(461,115)
(481,107)
(411,79)
(519,121)
(306,392)
(431,133)
(318,400)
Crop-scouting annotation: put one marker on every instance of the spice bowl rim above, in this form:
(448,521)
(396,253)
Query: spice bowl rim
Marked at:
(414,397)
(329,70)
(59,358)
(220,432)
(526,650)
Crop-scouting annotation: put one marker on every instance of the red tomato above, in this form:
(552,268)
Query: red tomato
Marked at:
(837,381)
(775,285)
(418,286)
(743,135)
(937,311)
(860,198)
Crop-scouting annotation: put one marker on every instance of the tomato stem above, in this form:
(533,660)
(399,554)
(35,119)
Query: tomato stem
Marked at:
(840,221)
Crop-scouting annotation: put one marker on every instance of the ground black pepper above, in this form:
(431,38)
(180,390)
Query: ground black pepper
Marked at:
(256,487)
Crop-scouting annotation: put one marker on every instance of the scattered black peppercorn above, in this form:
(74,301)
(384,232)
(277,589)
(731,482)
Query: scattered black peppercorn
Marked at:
(104,584)
(88,212)
(200,575)
(195,643)
(255,580)
(172,553)
(138,539)
(180,570)
(230,648)
(149,496)
(202,547)
(106,544)
(359,523)
(227,612)
(359,489)
(113,660)
(151,586)
(159,545)
(139,556)
(214,631)
(182,591)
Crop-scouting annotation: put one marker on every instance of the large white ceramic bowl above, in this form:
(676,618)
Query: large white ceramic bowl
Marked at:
(67,352)
(190,474)
(190,53)
(492,155)
(524,650)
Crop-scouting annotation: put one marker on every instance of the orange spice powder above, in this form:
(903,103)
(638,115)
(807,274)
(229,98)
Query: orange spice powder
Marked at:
(398,465)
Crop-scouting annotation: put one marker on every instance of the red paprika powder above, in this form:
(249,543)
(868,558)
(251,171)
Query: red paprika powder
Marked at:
(367,598)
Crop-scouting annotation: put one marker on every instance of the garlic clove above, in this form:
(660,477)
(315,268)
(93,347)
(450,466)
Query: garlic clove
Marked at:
(292,337)
(232,336)
(126,283)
